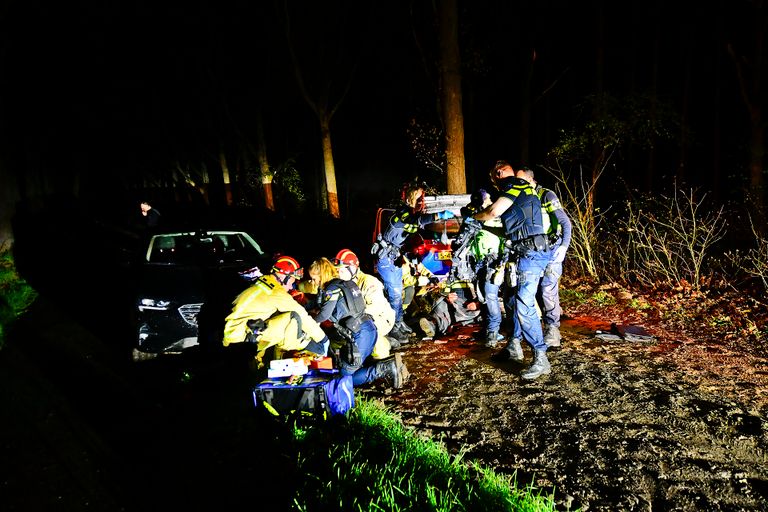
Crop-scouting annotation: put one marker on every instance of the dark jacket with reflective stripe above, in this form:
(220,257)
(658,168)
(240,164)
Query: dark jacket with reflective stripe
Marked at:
(403,223)
(523,219)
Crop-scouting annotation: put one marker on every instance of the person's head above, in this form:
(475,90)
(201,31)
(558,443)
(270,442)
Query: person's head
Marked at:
(501,170)
(414,196)
(480,199)
(145,207)
(322,271)
(287,271)
(347,264)
(525,173)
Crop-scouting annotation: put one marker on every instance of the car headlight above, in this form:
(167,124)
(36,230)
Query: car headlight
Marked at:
(154,304)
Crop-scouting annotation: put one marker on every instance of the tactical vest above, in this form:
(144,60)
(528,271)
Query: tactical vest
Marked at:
(355,302)
(527,205)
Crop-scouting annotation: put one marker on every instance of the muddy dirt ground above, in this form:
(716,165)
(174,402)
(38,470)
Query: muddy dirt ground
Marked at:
(617,425)
(674,424)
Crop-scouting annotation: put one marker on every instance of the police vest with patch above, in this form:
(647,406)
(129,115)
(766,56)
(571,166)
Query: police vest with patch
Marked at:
(524,218)
(354,302)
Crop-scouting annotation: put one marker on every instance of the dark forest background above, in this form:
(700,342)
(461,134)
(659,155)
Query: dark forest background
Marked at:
(105,103)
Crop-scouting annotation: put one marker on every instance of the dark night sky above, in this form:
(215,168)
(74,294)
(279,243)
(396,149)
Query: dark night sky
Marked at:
(118,89)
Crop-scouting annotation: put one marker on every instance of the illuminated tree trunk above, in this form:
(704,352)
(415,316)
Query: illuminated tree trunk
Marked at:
(265,171)
(330,169)
(451,97)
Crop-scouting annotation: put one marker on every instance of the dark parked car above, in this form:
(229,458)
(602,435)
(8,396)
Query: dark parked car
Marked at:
(431,245)
(186,284)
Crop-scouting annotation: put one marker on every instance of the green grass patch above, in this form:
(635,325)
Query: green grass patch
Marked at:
(572,297)
(369,461)
(602,298)
(16,296)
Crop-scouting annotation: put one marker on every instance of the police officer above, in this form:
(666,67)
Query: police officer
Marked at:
(486,254)
(520,210)
(376,303)
(341,302)
(559,234)
(405,221)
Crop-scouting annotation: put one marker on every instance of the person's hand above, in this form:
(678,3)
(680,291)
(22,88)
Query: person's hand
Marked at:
(558,256)
(318,347)
(452,297)
(471,306)
(445,215)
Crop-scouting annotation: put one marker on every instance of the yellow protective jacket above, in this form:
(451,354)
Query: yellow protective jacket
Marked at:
(267,300)
(377,305)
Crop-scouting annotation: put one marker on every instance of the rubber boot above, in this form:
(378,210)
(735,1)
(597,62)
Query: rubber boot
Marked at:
(398,334)
(393,369)
(539,367)
(552,336)
(404,328)
(512,352)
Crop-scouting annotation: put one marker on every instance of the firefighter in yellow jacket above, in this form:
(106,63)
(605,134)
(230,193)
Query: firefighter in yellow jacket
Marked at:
(274,316)
(376,303)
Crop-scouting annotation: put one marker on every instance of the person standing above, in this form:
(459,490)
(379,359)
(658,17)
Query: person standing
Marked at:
(559,234)
(150,215)
(519,208)
(486,252)
(406,220)
(342,303)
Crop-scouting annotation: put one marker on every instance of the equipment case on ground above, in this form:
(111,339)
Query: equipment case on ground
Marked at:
(307,398)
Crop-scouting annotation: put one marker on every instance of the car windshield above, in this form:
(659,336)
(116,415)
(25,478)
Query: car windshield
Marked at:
(202,248)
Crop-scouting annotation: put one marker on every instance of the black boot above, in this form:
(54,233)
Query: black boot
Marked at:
(552,336)
(393,369)
(512,352)
(539,367)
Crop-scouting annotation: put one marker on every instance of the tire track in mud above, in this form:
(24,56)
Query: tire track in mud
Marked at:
(615,426)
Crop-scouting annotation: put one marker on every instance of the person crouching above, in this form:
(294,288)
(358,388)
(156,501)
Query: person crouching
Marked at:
(342,303)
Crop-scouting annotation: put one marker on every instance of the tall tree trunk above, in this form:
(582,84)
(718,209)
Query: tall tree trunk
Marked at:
(225,177)
(750,86)
(451,95)
(525,111)
(650,169)
(264,170)
(330,169)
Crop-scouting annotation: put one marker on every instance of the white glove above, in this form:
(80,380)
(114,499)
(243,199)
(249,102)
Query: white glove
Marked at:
(559,254)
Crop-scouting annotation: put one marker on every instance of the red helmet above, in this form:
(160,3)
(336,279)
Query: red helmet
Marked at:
(346,257)
(288,266)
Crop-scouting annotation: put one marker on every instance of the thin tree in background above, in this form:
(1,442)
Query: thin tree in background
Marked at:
(261,156)
(319,97)
(453,118)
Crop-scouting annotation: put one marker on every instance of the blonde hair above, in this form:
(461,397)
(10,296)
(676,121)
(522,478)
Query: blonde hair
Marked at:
(412,194)
(324,271)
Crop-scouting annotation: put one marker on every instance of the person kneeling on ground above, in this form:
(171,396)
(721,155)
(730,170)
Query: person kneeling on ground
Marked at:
(376,303)
(341,303)
(454,304)
(266,314)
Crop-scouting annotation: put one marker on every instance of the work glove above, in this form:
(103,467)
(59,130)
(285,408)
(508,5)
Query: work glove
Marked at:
(444,215)
(559,254)
(318,347)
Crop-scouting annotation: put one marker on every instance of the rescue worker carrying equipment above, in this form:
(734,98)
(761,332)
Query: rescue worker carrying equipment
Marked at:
(282,322)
